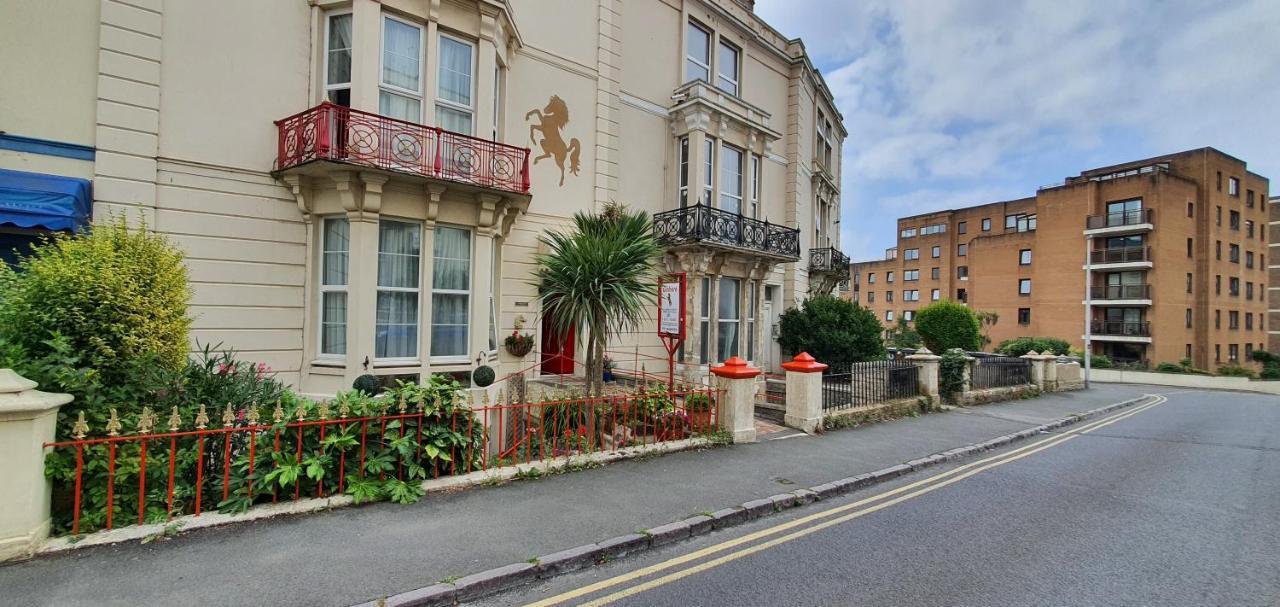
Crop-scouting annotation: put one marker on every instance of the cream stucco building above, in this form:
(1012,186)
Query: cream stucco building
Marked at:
(359,186)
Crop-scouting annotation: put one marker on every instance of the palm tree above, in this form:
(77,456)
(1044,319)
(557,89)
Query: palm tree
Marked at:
(600,277)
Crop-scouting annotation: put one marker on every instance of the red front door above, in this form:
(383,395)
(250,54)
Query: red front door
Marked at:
(557,355)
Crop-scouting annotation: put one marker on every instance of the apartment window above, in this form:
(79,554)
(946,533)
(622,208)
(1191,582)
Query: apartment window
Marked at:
(888,277)
(400,91)
(1188,318)
(1248,228)
(1233,253)
(871,297)
(1219,215)
(1190,247)
(1234,218)
(911,295)
(755,186)
(1248,321)
(911,254)
(1217,319)
(937,228)
(1219,181)
(731,179)
(697,63)
(1188,351)
(1010,221)
(704,321)
(962,227)
(1024,316)
(871,278)
(684,171)
(888,296)
(1248,259)
(936,252)
(910,275)
(888,315)
(908,315)
(1217,348)
(1217,284)
(1188,282)
(826,134)
(727,325)
(935,273)
(907,233)
(962,272)
(396,316)
(708,166)
(1248,198)
(1024,286)
(1024,257)
(962,249)
(454,98)
(1248,351)
(450,292)
(1233,319)
(935,295)
(337,58)
(1217,250)
(751,319)
(962,296)
(1233,187)
(1248,290)
(1233,352)
(727,68)
(986,225)
(1191,209)
(1233,286)
(335,246)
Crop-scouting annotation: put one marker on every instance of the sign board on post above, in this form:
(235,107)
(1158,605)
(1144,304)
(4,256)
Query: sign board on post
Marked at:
(671,309)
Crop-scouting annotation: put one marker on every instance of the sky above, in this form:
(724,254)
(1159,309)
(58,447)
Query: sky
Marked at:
(952,103)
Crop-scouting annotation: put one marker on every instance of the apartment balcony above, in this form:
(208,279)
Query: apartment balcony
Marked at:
(828,268)
(1121,295)
(703,226)
(1113,224)
(317,140)
(1121,331)
(1120,258)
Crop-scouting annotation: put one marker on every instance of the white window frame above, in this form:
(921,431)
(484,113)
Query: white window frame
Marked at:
(721,77)
(723,190)
(448,103)
(397,360)
(465,357)
(1027,257)
(1022,281)
(736,322)
(752,290)
(888,315)
(382,57)
(1233,186)
(935,295)
(704,321)
(911,254)
(682,178)
(709,167)
(704,62)
(328,22)
(755,186)
(345,289)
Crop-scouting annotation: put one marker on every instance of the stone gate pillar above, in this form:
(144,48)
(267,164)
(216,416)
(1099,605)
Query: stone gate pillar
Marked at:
(804,393)
(27,419)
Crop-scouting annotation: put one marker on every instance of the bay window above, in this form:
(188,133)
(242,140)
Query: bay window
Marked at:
(684,171)
(709,166)
(755,187)
(400,88)
(396,311)
(454,98)
(704,321)
(335,246)
(727,68)
(730,179)
(337,59)
(727,323)
(697,64)
(751,319)
(450,292)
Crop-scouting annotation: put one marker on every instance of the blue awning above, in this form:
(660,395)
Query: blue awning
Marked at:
(36,200)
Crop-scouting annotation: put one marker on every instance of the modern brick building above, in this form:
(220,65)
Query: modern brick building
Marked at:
(359,185)
(1273,277)
(1176,262)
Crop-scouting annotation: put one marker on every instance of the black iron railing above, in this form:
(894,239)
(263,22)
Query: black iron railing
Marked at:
(1124,328)
(1120,255)
(1108,292)
(846,385)
(828,259)
(1122,218)
(706,225)
(999,371)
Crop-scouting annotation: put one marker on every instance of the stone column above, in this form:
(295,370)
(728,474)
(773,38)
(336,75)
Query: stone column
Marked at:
(27,419)
(969,362)
(804,393)
(736,412)
(928,377)
(1044,370)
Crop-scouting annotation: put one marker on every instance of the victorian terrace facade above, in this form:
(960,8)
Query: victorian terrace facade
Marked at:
(1175,265)
(360,186)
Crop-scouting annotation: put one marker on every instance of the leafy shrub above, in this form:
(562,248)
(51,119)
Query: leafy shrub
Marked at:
(831,330)
(482,376)
(367,383)
(1270,364)
(951,369)
(903,336)
(1234,370)
(1100,361)
(117,296)
(947,324)
(1169,368)
(1044,345)
(698,403)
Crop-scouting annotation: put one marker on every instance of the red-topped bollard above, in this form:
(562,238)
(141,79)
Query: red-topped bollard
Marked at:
(736,413)
(804,393)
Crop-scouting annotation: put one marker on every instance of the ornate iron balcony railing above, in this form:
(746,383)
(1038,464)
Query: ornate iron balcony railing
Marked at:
(701,224)
(828,259)
(341,134)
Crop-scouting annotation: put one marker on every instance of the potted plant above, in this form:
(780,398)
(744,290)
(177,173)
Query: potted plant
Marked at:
(609,366)
(699,406)
(518,344)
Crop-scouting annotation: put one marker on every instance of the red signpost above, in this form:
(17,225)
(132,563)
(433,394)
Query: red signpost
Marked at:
(671,313)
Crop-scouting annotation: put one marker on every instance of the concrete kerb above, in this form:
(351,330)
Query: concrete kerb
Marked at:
(503,578)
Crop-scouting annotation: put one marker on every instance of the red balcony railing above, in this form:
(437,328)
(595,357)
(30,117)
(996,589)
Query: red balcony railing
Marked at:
(341,134)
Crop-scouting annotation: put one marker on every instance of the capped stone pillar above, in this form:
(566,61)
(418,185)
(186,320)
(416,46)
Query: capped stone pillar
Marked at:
(736,413)
(928,376)
(27,418)
(1044,370)
(804,393)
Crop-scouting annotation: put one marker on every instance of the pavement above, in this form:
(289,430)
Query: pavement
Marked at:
(1176,504)
(355,554)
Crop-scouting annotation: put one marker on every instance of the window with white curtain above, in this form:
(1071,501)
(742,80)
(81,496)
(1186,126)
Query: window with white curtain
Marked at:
(335,246)
(396,311)
(400,91)
(727,68)
(751,319)
(730,179)
(450,292)
(493,291)
(697,64)
(337,59)
(755,186)
(454,100)
(709,168)
(704,321)
(727,323)
(684,171)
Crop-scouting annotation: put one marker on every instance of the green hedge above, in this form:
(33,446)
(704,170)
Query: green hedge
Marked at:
(948,324)
(1043,345)
(831,330)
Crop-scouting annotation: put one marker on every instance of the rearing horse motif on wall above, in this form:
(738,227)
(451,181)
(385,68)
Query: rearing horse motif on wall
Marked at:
(551,120)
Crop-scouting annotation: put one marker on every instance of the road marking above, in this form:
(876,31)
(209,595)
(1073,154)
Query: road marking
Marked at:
(954,475)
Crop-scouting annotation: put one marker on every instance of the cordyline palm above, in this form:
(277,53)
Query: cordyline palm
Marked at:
(601,277)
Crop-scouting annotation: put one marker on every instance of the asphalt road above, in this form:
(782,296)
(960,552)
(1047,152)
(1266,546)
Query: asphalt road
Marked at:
(1173,504)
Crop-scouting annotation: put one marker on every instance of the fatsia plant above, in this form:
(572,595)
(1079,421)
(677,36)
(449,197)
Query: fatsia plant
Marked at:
(600,277)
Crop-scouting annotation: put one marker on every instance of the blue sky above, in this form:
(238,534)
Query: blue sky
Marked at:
(952,103)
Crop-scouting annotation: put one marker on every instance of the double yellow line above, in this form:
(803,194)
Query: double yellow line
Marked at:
(809,524)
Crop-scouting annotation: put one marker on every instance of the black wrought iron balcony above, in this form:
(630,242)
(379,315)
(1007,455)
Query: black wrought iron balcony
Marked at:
(828,260)
(1120,255)
(1120,292)
(1122,328)
(1120,219)
(701,224)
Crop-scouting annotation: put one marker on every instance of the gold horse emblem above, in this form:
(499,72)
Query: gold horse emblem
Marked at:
(551,121)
